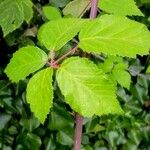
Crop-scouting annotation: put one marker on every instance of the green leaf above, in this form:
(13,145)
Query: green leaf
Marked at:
(51,12)
(76,8)
(61,114)
(116,69)
(115,35)
(86,88)
(122,77)
(55,34)
(25,61)
(123,7)
(148,70)
(65,137)
(40,93)
(13,13)
(145,1)
(59,3)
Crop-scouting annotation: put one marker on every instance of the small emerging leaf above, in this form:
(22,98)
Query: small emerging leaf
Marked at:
(86,88)
(56,33)
(40,93)
(116,68)
(122,77)
(120,7)
(25,61)
(115,35)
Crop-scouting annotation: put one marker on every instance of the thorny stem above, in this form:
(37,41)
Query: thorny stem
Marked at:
(79,119)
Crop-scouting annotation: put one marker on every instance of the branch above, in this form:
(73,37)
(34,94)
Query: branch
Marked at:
(78,131)
(93,11)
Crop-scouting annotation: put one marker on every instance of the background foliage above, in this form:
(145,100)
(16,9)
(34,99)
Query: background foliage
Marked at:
(19,129)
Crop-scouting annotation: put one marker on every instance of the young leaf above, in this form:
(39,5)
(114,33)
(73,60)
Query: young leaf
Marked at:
(120,7)
(116,69)
(86,88)
(55,34)
(76,8)
(13,13)
(40,93)
(25,61)
(115,35)
(122,77)
(51,12)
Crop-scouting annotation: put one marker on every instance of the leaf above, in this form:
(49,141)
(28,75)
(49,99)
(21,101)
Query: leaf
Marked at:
(145,1)
(148,70)
(59,3)
(25,61)
(115,35)
(116,69)
(122,77)
(61,114)
(51,13)
(13,13)
(55,34)
(123,7)
(40,93)
(76,8)
(86,88)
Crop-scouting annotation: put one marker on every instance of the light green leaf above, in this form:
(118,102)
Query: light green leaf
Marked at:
(51,13)
(55,34)
(116,68)
(76,8)
(148,70)
(120,7)
(122,77)
(40,93)
(13,13)
(115,35)
(86,88)
(25,61)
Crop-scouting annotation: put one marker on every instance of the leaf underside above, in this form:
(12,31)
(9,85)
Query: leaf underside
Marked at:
(25,61)
(76,8)
(86,88)
(40,93)
(115,35)
(14,13)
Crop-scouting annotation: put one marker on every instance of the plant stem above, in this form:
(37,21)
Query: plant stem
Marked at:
(78,131)
(79,119)
(93,11)
(65,55)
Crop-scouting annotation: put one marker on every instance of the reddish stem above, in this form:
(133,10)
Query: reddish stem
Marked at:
(93,11)
(72,51)
(78,131)
(54,63)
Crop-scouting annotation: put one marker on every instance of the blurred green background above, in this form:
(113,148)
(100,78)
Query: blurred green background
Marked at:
(20,130)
